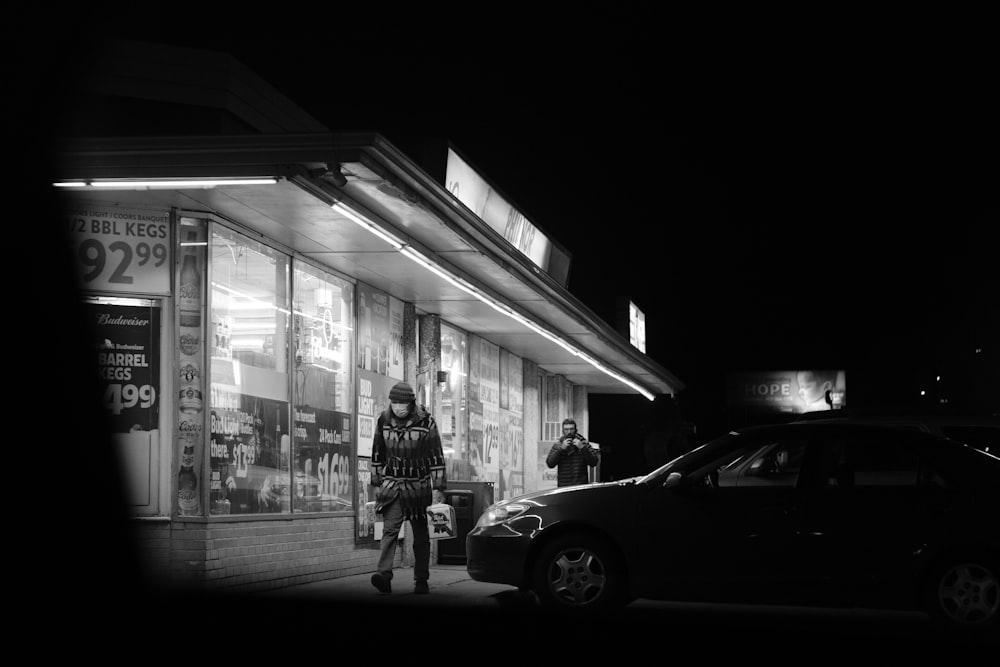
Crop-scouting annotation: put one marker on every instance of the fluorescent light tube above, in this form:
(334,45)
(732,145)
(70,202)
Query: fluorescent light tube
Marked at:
(170,183)
(355,218)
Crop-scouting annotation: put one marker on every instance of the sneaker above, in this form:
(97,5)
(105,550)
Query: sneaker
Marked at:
(380,582)
(421,588)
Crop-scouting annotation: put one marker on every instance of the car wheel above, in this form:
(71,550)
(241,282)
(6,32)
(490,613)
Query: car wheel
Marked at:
(963,596)
(579,573)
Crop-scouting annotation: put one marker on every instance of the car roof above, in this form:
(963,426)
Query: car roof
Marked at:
(724,442)
(913,436)
(982,432)
(893,417)
(843,425)
(932,437)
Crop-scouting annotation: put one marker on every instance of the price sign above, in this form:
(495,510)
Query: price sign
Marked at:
(123,250)
(127,348)
(120,397)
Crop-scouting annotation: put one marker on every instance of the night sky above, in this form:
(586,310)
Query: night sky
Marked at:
(770,198)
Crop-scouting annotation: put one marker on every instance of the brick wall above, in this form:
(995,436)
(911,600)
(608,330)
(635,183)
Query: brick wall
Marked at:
(263,554)
(151,540)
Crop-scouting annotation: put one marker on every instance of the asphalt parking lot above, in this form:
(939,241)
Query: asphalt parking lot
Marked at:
(474,616)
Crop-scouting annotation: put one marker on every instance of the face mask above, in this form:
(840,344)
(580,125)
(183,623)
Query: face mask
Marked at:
(400,409)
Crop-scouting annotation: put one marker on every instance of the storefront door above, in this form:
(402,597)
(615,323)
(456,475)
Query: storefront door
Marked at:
(126,340)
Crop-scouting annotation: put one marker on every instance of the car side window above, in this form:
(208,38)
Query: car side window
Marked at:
(931,477)
(869,462)
(834,470)
(777,464)
(723,472)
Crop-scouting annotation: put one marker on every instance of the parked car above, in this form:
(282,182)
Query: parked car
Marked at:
(830,514)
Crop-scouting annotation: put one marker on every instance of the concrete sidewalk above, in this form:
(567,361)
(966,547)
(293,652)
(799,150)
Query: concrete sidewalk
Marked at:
(450,585)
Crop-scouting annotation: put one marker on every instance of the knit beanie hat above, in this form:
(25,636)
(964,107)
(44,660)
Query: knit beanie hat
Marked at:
(401,392)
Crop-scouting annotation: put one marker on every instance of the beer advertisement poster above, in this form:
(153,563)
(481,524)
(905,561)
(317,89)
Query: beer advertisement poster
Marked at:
(127,345)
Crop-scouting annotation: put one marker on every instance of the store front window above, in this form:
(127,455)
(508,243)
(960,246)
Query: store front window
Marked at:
(379,364)
(323,333)
(248,336)
(453,419)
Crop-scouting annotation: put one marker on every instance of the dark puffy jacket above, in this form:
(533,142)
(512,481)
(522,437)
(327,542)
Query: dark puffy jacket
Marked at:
(572,462)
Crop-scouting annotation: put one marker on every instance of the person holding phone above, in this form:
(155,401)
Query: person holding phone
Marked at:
(572,454)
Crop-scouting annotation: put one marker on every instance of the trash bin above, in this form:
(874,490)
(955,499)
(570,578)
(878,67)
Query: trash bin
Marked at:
(453,551)
(482,499)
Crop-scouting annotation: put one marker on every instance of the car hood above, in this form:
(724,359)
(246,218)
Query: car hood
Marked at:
(573,493)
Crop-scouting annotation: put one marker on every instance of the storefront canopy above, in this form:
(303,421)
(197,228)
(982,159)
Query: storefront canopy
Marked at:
(355,203)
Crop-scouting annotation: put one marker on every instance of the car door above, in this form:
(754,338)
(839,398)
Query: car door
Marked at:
(864,518)
(730,531)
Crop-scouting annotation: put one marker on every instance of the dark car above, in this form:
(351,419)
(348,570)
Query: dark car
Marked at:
(829,514)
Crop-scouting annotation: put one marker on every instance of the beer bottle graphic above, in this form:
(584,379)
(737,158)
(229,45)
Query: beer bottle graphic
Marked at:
(187,484)
(189,293)
(190,397)
(365,348)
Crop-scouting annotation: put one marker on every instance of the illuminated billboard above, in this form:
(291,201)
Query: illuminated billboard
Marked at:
(788,391)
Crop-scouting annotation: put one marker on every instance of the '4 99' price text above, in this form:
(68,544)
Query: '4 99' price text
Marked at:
(118,397)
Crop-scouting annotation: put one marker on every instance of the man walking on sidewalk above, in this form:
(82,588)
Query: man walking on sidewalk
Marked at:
(408,470)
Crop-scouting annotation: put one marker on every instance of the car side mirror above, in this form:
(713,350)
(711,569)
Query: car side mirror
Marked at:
(674,480)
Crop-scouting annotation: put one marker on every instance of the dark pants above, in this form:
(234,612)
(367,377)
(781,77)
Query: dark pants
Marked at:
(392,518)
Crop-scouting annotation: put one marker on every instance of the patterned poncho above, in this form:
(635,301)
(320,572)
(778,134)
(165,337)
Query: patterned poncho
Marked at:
(407,461)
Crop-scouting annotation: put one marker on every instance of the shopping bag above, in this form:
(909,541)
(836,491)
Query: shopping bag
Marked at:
(441,521)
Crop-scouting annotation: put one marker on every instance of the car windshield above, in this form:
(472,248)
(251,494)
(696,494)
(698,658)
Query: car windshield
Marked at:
(695,458)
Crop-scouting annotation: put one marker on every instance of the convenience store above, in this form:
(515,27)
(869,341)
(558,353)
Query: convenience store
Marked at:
(257,291)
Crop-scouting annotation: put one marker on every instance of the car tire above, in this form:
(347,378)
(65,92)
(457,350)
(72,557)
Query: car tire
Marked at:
(579,573)
(962,595)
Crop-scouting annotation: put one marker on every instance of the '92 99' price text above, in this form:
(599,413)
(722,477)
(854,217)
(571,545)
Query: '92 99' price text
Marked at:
(94,257)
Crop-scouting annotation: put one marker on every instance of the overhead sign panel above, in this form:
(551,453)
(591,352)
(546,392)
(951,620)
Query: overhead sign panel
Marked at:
(482,199)
(636,327)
